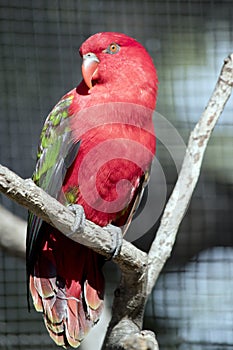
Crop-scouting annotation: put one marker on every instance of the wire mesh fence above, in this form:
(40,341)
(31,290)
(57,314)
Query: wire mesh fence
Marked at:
(191,307)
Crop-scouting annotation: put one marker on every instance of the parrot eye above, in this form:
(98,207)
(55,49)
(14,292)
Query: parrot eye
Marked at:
(112,48)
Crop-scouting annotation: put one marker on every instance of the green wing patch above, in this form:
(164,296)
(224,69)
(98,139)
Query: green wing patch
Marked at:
(55,141)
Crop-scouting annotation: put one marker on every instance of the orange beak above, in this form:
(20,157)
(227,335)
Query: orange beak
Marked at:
(89,68)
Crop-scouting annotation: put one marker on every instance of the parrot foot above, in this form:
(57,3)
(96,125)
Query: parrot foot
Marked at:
(117,240)
(80,219)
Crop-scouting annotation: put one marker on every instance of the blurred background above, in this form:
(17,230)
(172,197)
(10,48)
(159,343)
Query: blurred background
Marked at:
(192,304)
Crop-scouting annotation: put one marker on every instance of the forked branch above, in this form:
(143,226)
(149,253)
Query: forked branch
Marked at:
(139,270)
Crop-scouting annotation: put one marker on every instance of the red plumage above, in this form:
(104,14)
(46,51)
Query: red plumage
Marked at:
(110,115)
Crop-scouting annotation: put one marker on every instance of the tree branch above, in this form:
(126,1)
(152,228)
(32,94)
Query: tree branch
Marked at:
(178,203)
(139,270)
(27,194)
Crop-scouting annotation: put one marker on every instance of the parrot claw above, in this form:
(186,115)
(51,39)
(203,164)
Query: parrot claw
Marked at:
(117,240)
(79,222)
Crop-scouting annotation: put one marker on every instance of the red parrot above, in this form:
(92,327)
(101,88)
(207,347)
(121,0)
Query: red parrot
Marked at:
(96,149)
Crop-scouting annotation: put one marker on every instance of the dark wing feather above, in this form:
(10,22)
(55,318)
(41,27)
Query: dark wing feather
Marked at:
(56,154)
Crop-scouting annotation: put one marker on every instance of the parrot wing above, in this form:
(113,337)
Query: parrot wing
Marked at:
(56,153)
(70,298)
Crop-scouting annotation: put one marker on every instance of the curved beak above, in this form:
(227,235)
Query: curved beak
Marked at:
(89,68)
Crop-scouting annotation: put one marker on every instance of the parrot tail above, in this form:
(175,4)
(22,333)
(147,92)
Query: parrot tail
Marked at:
(68,287)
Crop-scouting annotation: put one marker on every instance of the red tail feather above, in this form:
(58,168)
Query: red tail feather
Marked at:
(68,287)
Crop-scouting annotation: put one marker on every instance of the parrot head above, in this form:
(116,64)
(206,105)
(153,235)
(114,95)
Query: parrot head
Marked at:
(115,62)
